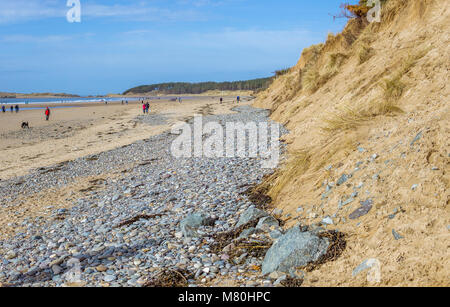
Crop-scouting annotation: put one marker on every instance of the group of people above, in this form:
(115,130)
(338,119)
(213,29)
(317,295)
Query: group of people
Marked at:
(145,107)
(12,108)
(238,99)
(16,108)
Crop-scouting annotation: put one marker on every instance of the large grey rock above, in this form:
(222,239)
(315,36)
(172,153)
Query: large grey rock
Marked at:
(190,224)
(250,215)
(294,249)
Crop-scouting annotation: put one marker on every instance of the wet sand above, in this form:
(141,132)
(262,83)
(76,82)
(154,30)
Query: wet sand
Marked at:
(78,130)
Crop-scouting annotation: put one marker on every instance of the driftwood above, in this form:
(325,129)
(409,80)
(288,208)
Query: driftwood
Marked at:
(137,218)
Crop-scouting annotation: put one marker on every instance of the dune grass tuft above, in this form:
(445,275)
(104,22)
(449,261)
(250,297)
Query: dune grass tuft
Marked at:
(365,52)
(297,165)
(344,117)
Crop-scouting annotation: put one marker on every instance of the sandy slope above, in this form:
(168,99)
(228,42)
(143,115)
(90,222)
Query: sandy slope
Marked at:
(411,171)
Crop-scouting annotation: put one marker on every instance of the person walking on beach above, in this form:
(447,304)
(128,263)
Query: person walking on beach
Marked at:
(12,109)
(144,107)
(3,109)
(221,100)
(17,108)
(47,114)
(147,107)
(238,99)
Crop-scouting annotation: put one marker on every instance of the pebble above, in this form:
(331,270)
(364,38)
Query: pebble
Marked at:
(85,237)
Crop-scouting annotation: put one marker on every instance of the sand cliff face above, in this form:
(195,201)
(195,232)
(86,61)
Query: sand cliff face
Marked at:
(370,106)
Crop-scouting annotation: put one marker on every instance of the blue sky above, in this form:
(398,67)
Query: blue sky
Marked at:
(120,44)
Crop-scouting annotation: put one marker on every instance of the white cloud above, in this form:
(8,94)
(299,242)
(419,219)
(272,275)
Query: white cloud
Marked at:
(17,11)
(23,10)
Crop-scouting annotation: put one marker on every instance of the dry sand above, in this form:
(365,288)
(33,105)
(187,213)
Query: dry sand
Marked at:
(421,257)
(87,129)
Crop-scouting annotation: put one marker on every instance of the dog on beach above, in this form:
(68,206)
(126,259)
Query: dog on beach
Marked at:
(25,125)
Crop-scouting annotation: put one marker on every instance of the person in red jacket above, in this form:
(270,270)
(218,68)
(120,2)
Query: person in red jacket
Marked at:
(144,107)
(47,114)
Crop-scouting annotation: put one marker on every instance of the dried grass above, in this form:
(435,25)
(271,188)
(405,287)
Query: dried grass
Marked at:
(297,165)
(169,278)
(365,52)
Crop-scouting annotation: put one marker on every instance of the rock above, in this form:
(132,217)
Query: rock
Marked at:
(365,265)
(267,222)
(10,255)
(292,250)
(343,179)
(278,282)
(101,268)
(278,212)
(250,215)
(248,232)
(366,206)
(327,221)
(396,235)
(192,222)
(417,138)
(56,269)
(393,215)
(109,278)
(275,275)
(345,203)
(275,234)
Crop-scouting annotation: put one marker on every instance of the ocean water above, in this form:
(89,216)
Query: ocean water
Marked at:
(30,101)
(26,101)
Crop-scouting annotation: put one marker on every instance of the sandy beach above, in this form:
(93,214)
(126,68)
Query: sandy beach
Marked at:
(79,130)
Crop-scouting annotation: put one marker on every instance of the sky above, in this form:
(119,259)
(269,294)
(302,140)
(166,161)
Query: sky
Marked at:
(120,44)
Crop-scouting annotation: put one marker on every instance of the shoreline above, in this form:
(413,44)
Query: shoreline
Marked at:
(86,130)
(84,201)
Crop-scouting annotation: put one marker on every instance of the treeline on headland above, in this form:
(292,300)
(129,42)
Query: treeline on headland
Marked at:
(177,88)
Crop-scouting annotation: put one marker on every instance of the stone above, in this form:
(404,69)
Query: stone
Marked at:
(267,222)
(396,235)
(279,281)
(343,179)
(275,275)
(56,269)
(250,215)
(101,268)
(192,222)
(361,268)
(248,232)
(416,138)
(292,250)
(365,208)
(327,221)
(275,234)
(109,278)
(10,255)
